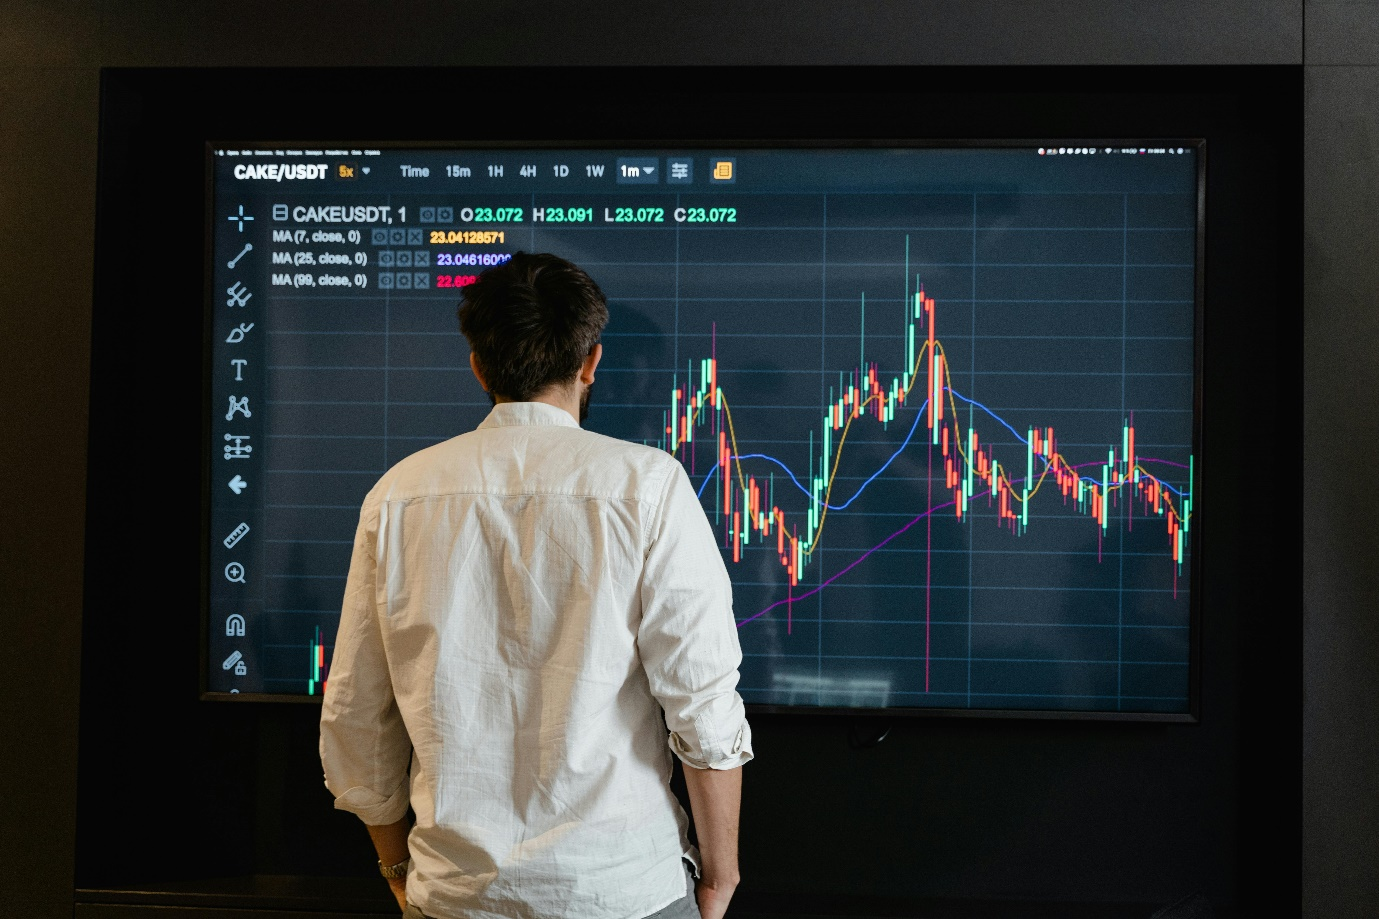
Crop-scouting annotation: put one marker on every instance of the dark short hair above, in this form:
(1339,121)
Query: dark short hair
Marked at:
(531,322)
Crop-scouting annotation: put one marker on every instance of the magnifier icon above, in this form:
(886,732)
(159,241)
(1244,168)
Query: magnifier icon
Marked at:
(234,572)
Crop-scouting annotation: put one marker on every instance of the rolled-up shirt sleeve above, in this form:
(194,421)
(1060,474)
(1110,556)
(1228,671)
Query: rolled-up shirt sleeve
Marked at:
(688,637)
(365,750)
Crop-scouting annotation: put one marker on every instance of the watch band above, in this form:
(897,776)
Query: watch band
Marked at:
(394,871)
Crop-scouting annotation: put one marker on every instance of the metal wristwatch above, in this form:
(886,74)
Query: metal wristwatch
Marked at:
(394,871)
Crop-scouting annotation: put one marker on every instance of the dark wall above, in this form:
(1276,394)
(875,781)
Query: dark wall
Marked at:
(51,55)
(1340,535)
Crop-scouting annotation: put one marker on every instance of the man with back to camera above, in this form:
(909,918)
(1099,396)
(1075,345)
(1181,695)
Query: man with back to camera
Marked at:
(530,606)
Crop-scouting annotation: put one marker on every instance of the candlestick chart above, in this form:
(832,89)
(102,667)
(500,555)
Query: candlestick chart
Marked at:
(965,477)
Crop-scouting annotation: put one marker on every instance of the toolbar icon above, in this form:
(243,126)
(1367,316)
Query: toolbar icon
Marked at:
(237,484)
(234,626)
(679,172)
(238,449)
(234,572)
(242,217)
(237,335)
(280,212)
(236,535)
(241,406)
(239,294)
(235,660)
(248,247)
(724,171)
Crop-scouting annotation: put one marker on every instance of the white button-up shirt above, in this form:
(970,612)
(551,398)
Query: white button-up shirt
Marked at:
(523,604)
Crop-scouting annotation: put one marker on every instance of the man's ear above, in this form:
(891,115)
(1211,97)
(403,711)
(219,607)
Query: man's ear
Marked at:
(478,374)
(586,370)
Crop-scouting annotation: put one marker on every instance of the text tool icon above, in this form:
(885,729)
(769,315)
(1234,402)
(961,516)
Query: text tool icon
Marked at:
(236,535)
(724,171)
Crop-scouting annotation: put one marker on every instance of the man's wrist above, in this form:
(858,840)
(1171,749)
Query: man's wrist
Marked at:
(720,880)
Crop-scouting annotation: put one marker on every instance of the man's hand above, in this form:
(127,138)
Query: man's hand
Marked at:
(713,896)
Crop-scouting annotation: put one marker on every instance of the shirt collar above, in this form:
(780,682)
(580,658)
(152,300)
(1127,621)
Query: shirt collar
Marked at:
(509,414)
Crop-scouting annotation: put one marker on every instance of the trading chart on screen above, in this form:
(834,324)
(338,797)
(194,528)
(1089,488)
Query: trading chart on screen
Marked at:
(938,402)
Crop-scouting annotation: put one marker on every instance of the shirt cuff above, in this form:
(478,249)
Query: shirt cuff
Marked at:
(708,753)
(373,808)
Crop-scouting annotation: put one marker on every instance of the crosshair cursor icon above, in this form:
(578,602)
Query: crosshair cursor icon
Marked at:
(241,217)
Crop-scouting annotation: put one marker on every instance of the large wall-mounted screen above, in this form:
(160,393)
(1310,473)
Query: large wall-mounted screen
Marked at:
(939,402)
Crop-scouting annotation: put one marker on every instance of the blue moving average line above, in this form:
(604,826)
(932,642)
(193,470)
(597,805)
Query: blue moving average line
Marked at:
(919,413)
